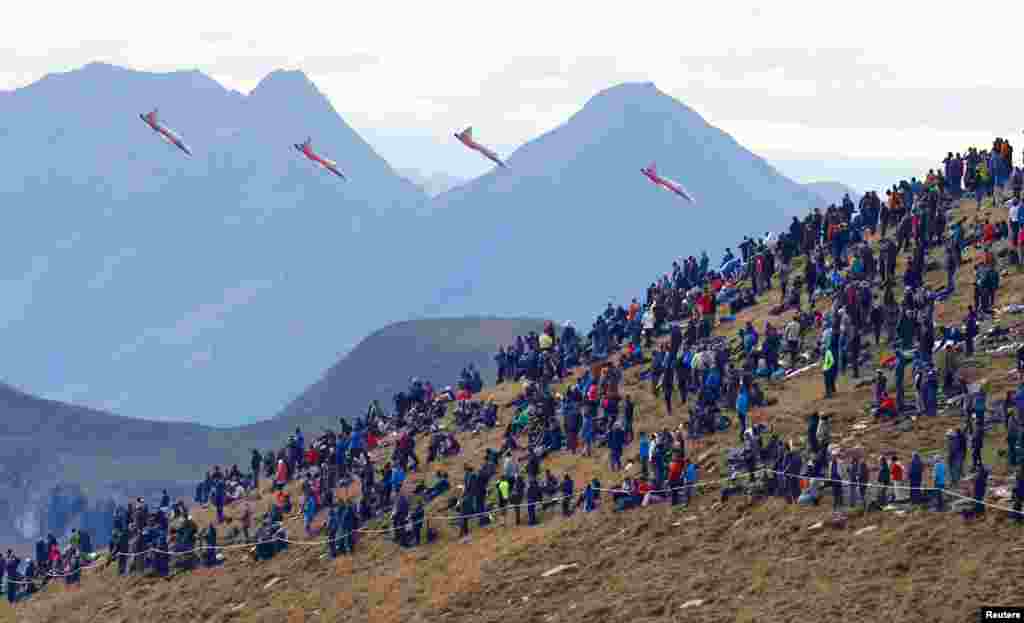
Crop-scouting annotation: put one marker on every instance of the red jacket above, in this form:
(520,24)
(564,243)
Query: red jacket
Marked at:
(675,471)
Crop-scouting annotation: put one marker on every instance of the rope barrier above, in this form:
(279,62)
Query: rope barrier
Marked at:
(527,505)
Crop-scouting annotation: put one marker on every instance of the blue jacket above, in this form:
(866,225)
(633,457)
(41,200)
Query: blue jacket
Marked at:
(588,427)
(358,440)
(940,475)
(742,402)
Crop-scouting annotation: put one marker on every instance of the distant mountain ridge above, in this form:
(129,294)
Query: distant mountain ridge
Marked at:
(432,184)
(193,280)
(832,192)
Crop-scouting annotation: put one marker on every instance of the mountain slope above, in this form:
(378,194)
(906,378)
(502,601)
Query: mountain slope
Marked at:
(573,220)
(382,365)
(832,192)
(208,288)
(52,451)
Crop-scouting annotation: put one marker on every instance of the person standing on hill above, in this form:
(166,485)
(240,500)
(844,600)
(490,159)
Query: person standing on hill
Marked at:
(743,406)
(828,367)
(517,496)
(916,478)
(11,568)
(567,493)
(835,480)
(939,477)
(971,326)
(211,546)
(256,463)
(533,499)
(668,381)
(792,335)
(219,498)
(616,440)
(980,486)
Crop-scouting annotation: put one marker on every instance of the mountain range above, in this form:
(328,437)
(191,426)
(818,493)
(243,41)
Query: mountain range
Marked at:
(207,289)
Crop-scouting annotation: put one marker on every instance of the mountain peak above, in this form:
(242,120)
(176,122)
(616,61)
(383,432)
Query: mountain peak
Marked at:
(285,80)
(101,66)
(627,91)
(626,96)
(629,88)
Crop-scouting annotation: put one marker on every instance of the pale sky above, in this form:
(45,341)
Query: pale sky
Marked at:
(881,81)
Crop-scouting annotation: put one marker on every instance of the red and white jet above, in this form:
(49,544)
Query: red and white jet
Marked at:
(466,138)
(306,149)
(670,185)
(165,133)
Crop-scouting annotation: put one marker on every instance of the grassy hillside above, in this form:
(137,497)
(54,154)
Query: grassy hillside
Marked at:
(746,561)
(44,443)
(382,365)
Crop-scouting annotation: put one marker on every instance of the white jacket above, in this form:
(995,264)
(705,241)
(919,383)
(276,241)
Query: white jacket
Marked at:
(649,319)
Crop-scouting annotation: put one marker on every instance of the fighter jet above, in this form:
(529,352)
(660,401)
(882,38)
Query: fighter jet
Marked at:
(306,149)
(165,133)
(670,185)
(466,138)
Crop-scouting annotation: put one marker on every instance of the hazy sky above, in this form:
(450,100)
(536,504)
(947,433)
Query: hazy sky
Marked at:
(808,82)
